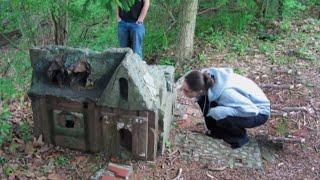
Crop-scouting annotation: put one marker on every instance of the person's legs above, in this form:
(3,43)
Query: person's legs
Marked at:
(204,106)
(249,122)
(210,123)
(234,128)
(137,32)
(123,34)
(233,135)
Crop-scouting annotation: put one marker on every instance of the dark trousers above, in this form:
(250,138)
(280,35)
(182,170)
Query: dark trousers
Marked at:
(230,129)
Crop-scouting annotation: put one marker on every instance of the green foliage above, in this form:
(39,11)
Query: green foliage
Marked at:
(282,127)
(2,161)
(303,52)
(239,70)
(218,39)
(167,61)
(231,15)
(5,126)
(25,131)
(7,170)
(285,25)
(267,47)
(15,66)
(202,57)
(168,145)
(61,161)
(293,8)
(240,44)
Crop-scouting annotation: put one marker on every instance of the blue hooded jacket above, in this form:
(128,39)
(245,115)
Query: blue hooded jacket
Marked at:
(235,95)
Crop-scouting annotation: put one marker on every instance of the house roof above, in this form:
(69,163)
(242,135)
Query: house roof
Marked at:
(145,83)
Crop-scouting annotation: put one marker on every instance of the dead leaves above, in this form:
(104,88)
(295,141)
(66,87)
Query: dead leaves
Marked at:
(215,167)
(38,142)
(55,176)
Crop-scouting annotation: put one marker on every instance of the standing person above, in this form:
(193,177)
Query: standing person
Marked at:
(230,103)
(131,29)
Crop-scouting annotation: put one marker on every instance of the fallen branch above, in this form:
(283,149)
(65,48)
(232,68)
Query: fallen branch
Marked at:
(282,114)
(207,10)
(314,108)
(179,174)
(285,139)
(276,86)
(287,71)
(173,153)
(210,176)
(308,127)
(173,160)
(217,168)
(289,109)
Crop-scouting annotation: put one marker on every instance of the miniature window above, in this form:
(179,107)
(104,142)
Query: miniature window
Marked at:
(69,121)
(123,86)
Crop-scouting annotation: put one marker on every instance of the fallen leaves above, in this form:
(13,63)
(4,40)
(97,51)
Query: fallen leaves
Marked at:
(38,142)
(55,176)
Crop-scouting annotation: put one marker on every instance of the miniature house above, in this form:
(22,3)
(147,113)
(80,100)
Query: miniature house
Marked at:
(110,101)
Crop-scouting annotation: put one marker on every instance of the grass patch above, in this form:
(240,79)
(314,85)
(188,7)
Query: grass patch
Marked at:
(15,74)
(282,127)
(5,126)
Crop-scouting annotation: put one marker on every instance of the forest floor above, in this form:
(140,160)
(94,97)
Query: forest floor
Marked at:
(285,61)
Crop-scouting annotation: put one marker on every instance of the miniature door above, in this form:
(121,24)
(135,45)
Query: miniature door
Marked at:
(125,131)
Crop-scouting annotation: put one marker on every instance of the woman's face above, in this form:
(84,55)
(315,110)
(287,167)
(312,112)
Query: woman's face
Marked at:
(190,93)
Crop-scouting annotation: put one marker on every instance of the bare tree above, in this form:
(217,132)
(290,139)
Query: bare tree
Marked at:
(59,15)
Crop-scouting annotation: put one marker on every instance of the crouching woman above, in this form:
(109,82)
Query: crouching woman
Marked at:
(230,103)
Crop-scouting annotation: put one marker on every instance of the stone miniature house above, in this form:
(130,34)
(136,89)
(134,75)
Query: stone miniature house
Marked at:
(109,101)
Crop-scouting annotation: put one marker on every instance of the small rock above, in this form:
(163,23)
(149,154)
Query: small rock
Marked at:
(185,116)
(267,155)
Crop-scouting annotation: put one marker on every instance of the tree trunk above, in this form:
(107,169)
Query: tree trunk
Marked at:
(187,26)
(59,17)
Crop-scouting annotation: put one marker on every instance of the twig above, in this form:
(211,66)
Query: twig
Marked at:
(10,42)
(308,127)
(288,109)
(85,32)
(174,152)
(169,11)
(217,168)
(314,108)
(210,176)
(208,10)
(287,71)
(275,86)
(173,160)
(179,174)
(283,114)
(284,139)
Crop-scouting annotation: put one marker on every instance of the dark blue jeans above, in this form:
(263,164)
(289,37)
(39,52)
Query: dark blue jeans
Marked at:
(131,34)
(230,129)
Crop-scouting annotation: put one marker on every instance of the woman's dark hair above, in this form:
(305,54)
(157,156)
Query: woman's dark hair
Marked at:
(198,81)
